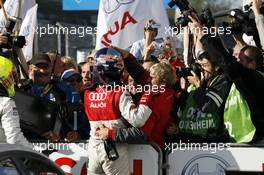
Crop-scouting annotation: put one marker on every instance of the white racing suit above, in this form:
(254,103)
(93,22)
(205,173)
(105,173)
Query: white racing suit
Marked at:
(112,108)
(10,131)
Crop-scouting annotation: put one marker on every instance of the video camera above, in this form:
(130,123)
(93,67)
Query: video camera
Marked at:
(243,22)
(18,41)
(186,72)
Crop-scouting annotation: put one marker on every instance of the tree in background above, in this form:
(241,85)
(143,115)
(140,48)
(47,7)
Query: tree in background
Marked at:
(214,5)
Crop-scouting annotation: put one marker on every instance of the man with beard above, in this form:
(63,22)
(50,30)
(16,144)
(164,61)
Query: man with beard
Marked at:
(201,113)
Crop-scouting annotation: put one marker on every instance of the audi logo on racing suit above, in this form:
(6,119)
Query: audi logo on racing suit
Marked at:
(97,96)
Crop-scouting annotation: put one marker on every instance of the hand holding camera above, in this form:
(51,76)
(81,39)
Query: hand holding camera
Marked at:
(7,39)
(3,39)
(194,79)
(195,27)
(255,6)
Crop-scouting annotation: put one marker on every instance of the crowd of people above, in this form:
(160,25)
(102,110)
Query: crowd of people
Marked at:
(146,94)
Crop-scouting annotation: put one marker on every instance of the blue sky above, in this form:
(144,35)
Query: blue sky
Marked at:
(87,4)
(94,4)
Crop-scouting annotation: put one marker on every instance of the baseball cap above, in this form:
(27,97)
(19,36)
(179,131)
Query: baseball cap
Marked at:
(69,73)
(151,24)
(40,58)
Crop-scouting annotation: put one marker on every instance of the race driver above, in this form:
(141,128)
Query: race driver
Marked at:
(107,103)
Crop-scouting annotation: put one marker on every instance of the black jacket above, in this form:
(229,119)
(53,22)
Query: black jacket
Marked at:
(250,83)
(3,92)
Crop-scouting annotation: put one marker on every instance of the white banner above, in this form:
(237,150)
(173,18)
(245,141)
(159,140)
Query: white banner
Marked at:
(11,7)
(28,30)
(144,159)
(121,22)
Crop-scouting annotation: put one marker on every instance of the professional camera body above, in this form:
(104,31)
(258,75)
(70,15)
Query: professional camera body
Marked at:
(185,9)
(17,41)
(182,4)
(206,16)
(185,72)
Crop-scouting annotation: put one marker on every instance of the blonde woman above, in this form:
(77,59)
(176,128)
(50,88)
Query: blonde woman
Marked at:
(162,78)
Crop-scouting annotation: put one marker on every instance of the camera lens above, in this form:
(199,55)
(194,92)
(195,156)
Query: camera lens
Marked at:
(19,41)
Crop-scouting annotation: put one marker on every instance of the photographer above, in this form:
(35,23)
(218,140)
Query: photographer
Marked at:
(201,111)
(259,19)
(247,74)
(10,131)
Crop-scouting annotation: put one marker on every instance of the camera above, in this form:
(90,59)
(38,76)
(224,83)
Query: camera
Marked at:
(18,41)
(206,16)
(182,21)
(185,72)
(206,19)
(183,5)
(243,22)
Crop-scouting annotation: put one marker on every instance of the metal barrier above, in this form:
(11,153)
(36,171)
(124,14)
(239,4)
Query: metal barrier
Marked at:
(145,157)
(158,150)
